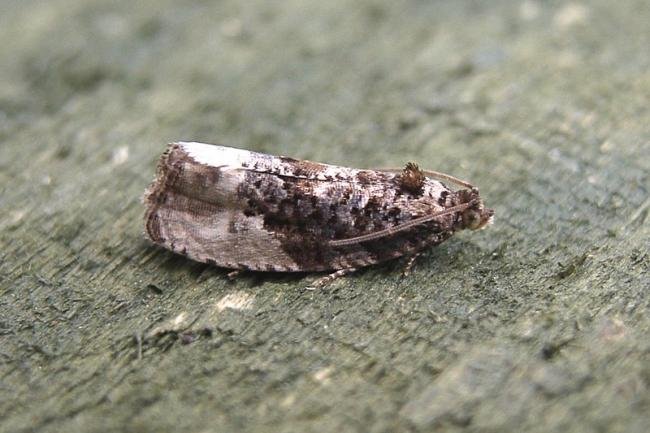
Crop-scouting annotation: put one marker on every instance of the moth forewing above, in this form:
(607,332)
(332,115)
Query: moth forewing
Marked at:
(246,210)
(390,231)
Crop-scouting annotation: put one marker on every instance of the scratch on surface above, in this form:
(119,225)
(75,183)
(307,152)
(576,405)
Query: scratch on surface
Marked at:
(611,329)
(235,301)
(15,217)
(121,155)
(322,376)
(570,14)
(529,10)
(289,400)
(640,213)
(179,319)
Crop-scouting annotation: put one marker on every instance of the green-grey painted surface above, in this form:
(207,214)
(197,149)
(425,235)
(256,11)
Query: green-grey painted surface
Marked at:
(539,323)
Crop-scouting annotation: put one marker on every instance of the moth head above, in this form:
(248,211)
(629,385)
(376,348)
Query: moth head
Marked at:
(476,216)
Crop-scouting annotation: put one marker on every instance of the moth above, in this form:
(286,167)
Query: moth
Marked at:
(246,210)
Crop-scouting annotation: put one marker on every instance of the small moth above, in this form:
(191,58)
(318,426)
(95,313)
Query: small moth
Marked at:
(245,210)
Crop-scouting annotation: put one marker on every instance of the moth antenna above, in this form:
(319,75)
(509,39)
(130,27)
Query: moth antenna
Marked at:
(434,174)
(401,227)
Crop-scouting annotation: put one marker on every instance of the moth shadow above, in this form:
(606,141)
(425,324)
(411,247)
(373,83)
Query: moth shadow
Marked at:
(257,278)
(430,260)
(173,262)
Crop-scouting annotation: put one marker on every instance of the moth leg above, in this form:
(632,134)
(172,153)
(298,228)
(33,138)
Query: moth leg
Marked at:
(331,277)
(234,274)
(409,264)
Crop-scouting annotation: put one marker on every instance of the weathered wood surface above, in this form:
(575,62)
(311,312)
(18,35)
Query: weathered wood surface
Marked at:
(540,323)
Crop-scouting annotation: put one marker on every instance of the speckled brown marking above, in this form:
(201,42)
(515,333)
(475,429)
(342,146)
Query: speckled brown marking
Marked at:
(366,177)
(233,226)
(442,200)
(244,210)
(301,167)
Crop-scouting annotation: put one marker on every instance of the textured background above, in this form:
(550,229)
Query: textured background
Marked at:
(540,322)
